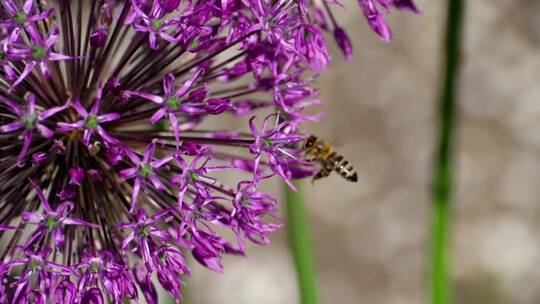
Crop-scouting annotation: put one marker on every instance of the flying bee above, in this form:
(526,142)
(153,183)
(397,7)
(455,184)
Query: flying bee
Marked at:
(323,153)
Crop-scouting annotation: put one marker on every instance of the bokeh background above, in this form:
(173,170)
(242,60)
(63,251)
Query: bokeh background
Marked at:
(371,239)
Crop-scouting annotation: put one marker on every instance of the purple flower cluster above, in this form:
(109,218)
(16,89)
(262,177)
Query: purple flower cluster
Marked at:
(112,143)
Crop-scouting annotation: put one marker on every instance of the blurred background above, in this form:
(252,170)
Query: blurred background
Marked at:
(371,239)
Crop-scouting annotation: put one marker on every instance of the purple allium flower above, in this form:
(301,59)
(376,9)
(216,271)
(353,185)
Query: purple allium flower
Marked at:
(109,152)
(29,121)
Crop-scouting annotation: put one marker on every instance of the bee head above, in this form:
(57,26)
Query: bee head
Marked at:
(310,141)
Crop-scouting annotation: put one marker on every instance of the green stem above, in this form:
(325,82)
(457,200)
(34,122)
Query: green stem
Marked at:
(301,247)
(441,289)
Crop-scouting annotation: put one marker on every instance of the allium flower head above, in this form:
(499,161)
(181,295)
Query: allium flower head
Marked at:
(110,158)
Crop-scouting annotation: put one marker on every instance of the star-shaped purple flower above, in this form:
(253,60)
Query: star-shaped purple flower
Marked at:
(112,276)
(36,266)
(273,142)
(91,121)
(171,101)
(195,175)
(50,220)
(29,120)
(145,232)
(143,171)
(39,52)
(154,22)
(21,16)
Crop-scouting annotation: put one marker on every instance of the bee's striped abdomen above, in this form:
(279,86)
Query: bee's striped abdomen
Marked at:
(347,171)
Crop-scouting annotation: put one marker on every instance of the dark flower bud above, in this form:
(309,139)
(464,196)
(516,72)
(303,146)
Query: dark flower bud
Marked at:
(343,42)
(98,38)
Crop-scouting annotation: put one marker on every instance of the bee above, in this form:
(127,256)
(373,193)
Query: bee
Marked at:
(323,153)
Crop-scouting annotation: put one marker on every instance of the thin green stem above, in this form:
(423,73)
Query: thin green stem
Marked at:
(301,247)
(441,287)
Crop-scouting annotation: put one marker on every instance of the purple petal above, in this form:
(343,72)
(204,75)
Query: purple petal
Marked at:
(64,208)
(252,126)
(171,283)
(65,292)
(135,194)
(66,127)
(212,263)
(148,152)
(146,285)
(405,5)
(32,217)
(99,96)
(155,181)
(13,106)
(27,70)
(76,104)
(128,240)
(132,156)
(11,6)
(73,221)
(58,57)
(59,238)
(129,173)
(52,38)
(152,40)
(187,85)
(157,115)
(158,163)
(86,136)
(174,125)
(375,19)
(106,136)
(168,84)
(138,10)
(31,103)
(26,145)
(95,108)
(50,112)
(217,106)
(45,69)
(44,131)
(92,296)
(343,42)
(108,117)
(11,127)
(147,96)
(6,227)
(144,250)
(169,5)
(27,6)
(168,37)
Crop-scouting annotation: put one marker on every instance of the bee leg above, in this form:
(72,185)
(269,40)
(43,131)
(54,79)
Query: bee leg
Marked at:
(308,157)
(317,176)
(322,173)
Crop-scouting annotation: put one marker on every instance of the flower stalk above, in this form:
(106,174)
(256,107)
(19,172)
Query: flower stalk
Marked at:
(441,287)
(300,244)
